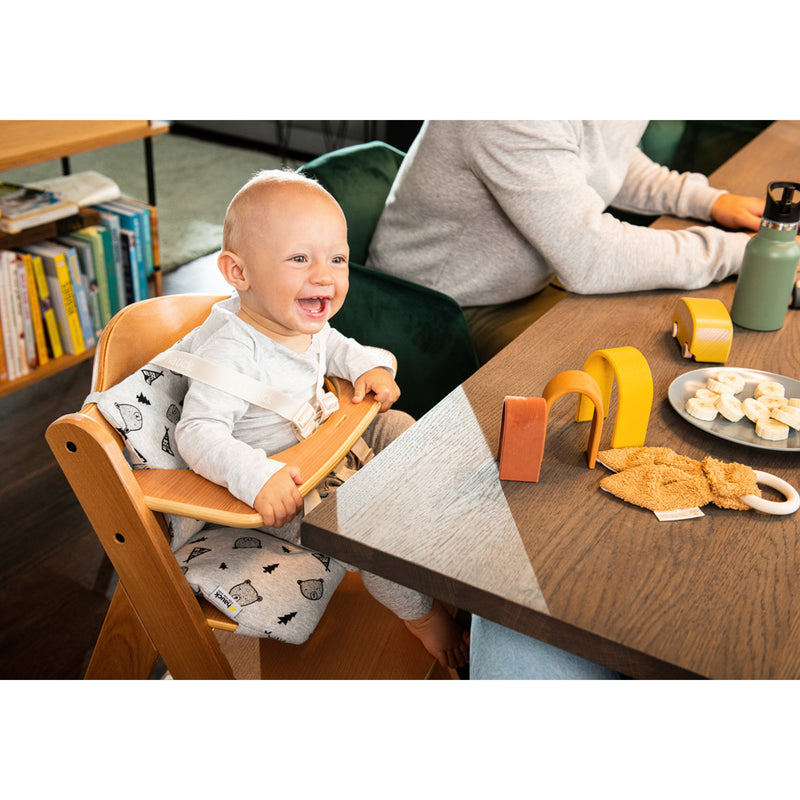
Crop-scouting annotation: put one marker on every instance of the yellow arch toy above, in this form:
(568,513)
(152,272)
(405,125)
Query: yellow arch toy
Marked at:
(573,380)
(634,392)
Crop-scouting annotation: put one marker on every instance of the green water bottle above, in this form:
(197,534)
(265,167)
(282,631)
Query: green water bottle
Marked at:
(766,279)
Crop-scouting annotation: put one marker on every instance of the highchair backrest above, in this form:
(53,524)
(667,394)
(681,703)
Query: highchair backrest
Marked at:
(142,330)
(154,610)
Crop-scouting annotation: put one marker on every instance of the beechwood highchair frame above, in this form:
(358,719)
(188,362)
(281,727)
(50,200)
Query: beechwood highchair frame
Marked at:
(154,611)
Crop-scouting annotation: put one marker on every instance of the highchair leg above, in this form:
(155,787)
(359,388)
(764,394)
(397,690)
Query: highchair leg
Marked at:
(123,650)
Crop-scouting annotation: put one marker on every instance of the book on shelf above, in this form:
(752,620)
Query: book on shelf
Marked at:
(82,188)
(10,313)
(99,240)
(56,350)
(110,231)
(88,279)
(22,207)
(28,335)
(59,283)
(3,362)
(135,280)
(151,231)
(37,315)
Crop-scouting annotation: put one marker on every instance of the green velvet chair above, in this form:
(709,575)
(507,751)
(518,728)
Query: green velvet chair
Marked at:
(425,329)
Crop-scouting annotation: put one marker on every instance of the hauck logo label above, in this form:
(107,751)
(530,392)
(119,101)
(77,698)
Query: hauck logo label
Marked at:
(224,602)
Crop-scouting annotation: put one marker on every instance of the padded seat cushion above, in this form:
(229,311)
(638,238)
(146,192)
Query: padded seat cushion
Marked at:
(269,587)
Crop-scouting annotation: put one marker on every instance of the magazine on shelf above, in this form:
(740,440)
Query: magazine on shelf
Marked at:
(83,188)
(22,207)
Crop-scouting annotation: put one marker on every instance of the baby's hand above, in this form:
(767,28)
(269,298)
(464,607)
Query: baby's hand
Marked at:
(279,501)
(380,382)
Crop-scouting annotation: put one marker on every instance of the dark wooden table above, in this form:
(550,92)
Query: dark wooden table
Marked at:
(717,596)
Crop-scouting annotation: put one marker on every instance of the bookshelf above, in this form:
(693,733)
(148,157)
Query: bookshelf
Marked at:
(26,142)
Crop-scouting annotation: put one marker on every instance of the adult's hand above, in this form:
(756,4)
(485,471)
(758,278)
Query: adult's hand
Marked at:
(737,211)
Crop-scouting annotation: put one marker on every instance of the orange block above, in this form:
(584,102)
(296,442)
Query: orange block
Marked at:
(522,433)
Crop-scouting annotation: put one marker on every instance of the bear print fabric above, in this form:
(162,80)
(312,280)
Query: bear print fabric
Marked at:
(144,409)
(270,587)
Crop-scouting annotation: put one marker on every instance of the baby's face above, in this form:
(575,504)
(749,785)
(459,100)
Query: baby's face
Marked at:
(295,262)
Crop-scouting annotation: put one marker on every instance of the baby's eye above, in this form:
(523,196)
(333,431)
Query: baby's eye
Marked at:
(339,260)
(298,259)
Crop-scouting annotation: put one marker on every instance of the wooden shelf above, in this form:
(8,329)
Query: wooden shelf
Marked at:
(53,366)
(26,142)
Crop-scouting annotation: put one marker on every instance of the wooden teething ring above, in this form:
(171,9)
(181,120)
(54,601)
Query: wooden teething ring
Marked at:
(788,506)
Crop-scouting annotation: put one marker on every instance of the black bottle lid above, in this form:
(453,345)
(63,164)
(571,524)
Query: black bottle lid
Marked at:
(782,209)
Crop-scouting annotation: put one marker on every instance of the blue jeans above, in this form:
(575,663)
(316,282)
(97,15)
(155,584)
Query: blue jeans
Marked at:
(498,653)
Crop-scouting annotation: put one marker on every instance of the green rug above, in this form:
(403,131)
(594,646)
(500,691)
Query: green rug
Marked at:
(195,181)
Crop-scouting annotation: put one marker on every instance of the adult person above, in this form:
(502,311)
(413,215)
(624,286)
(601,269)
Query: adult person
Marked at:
(504,215)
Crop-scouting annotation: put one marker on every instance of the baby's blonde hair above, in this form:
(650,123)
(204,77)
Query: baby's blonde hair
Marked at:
(233,226)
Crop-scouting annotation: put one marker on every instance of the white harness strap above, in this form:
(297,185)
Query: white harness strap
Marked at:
(304,417)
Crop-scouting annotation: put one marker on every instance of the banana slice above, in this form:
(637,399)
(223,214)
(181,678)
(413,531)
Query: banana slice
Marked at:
(706,394)
(793,401)
(754,409)
(726,382)
(702,409)
(771,388)
(772,429)
(772,401)
(788,415)
(729,407)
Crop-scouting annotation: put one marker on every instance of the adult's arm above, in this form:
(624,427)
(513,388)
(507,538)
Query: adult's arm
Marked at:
(537,176)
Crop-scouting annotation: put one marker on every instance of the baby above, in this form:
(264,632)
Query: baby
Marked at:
(284,250)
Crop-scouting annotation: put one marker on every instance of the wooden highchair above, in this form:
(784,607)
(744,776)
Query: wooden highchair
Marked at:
(154,611)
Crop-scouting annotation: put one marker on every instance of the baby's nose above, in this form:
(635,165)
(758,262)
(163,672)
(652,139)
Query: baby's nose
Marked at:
(322,274)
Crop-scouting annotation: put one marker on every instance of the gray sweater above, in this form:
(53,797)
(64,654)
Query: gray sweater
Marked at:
(489,211)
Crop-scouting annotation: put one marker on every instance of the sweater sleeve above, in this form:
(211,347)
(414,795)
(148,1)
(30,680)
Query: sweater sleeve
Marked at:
(539,181)
(651,188)
(348,359)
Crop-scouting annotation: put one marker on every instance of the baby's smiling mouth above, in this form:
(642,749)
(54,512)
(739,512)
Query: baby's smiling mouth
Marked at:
(315,306)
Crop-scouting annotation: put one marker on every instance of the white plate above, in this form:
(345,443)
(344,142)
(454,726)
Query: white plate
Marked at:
(744,431)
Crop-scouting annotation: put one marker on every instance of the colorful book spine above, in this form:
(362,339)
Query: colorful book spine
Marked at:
(130,221)
(81,293)
(133,268)
(29,336)
(88,280)
(92,240)
(21,361)
(65,306)
(3,363)
(110,230)
(46,305)
(152,241)
(7,319)
(104,266)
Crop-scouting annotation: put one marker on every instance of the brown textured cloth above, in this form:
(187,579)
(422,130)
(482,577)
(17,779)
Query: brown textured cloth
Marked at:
(661,480)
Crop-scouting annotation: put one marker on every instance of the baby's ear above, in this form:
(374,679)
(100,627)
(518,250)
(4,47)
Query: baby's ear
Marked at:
(230,266)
